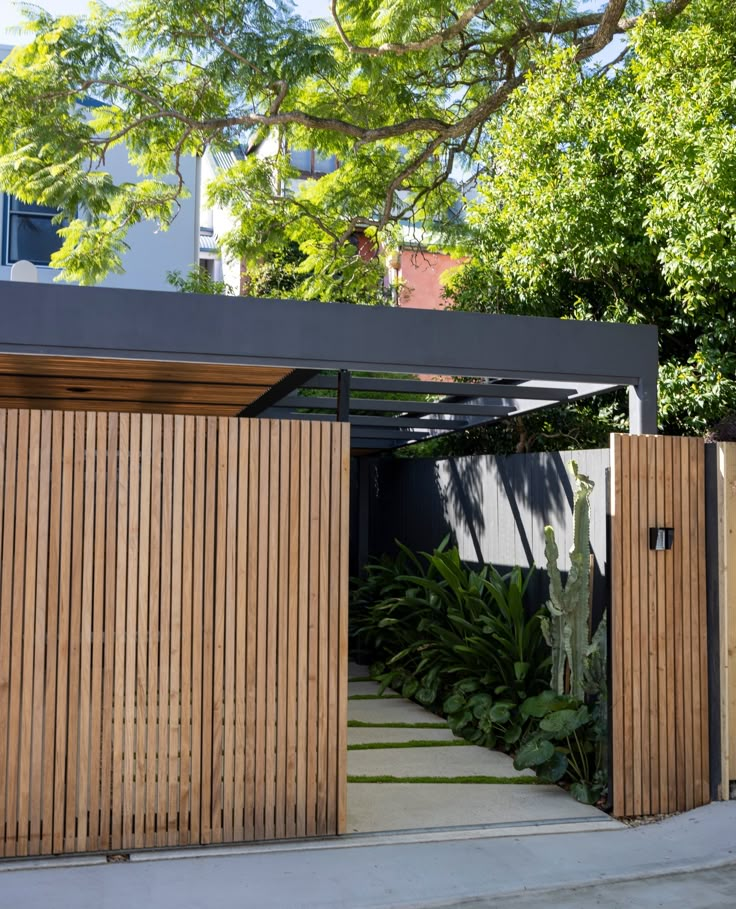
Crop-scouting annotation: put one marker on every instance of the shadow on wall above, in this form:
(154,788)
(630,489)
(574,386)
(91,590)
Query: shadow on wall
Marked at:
(495,508)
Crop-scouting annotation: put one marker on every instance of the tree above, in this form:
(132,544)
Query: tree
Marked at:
(403,91)
(615,198)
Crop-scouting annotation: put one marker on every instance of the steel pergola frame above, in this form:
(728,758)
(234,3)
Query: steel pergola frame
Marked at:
(507,365)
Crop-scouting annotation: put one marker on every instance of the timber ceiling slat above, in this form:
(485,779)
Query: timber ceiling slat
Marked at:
(143,370)
(128,390)
(187,409)
(132,386)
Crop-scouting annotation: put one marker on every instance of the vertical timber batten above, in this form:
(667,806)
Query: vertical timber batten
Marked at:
(173,645)
(726,496)
(659,691)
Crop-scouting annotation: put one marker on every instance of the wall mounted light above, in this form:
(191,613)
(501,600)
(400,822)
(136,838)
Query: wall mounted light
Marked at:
(661,538)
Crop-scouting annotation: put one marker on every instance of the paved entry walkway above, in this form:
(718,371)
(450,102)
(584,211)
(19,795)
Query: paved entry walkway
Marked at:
(406,771)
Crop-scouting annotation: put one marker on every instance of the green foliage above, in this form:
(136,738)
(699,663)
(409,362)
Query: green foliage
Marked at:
(566,627)
(459,641)
(198,281)
(566,742)
(565,736)
(613,198)
(401,91)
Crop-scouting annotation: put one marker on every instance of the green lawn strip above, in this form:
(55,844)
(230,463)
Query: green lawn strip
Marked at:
(361,724)
(361,678)
(415,743)
(504,780)
(372,697)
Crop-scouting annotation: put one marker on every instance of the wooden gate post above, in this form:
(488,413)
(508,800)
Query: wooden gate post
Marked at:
(659,695)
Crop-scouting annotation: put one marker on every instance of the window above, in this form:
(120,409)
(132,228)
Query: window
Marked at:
(311,162)
(29,232)
(301,159)
(324,165)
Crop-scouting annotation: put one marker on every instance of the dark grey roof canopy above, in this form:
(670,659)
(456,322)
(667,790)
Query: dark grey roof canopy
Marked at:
(507,365)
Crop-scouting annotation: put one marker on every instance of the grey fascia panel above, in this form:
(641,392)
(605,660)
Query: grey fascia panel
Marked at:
(160,325)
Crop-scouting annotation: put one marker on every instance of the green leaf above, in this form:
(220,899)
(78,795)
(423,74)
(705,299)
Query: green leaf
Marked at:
(453,703)
(585,792)
(410,687)
(500,713)
(467,686)
(546,702)
(563,723)
(426,696)
(535,752)
(554,769)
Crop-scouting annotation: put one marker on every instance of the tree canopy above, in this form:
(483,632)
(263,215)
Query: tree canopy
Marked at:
(402,91)
(615,198)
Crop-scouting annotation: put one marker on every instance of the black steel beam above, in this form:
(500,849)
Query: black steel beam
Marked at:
(276,392)
(343,396)
(455,389)
(445,407)
(376,421)
(408,435)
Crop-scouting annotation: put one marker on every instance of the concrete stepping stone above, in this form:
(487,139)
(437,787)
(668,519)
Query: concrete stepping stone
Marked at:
(358,735)
(447,762)
(367,688)
(376,807)
(355,671)
(389,710)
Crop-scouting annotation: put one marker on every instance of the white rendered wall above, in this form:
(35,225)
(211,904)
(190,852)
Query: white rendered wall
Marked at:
(152,253)
(221,221)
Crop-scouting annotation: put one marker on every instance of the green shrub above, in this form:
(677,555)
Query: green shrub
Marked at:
(566,742)
(462,643)
(459,641)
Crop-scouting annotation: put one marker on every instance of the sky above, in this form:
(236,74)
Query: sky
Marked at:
(10,15)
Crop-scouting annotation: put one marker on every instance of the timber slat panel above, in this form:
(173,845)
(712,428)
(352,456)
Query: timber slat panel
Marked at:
(175,687)
(172,630)
(271,634)
(282,560)
(658,627)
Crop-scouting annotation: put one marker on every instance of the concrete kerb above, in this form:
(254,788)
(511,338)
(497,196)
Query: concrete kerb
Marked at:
(400,872)
(320,844)
(481,902)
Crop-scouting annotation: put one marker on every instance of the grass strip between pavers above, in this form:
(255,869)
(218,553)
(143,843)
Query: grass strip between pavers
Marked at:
(416,743)
(373,697)
(505,780)
(360,678)
(362,724)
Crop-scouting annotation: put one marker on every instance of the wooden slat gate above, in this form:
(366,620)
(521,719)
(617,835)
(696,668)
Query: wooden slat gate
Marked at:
(172,630)
(658,627)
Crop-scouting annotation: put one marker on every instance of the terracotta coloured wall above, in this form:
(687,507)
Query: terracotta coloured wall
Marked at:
(420,274)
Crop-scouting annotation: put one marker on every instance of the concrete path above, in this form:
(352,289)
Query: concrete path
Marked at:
(500,796)
(379,872)
(714,888)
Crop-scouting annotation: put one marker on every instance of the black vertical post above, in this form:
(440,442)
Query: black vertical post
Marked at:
(343,396)
(719,788)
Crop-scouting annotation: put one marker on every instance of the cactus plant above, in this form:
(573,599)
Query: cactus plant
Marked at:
(566,627)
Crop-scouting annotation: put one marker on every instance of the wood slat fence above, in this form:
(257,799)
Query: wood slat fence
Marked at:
(725,659)
(658,627)
(173,609)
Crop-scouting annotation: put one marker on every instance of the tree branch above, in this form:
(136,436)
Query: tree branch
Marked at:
(430,41)
(607,27)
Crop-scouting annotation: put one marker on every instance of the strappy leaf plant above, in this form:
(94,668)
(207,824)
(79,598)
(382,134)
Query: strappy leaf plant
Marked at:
(457,639)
